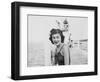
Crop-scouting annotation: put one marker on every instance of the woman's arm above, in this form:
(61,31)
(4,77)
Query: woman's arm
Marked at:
(52,58)
(66,53)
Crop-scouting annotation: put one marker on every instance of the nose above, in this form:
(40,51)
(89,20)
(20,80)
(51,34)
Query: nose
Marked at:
(55,39)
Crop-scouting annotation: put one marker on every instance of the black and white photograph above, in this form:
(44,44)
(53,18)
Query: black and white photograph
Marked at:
(57,40)
(53,40)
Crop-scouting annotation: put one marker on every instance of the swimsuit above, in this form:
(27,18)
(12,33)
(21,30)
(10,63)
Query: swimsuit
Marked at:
(59,58)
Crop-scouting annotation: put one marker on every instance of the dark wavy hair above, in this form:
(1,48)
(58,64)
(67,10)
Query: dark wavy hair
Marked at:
(56,31)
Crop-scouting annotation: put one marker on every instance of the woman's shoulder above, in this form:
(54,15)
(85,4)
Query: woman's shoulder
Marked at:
(53,48)
(65,45)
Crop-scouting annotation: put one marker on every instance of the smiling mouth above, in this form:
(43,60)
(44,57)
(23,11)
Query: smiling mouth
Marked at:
(55,42)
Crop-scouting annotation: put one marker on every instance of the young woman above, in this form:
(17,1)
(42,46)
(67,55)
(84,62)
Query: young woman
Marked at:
(61,54)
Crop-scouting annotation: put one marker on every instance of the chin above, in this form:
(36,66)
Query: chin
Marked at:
(57,44)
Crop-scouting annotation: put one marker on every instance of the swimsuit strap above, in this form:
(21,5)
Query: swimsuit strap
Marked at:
(60,48)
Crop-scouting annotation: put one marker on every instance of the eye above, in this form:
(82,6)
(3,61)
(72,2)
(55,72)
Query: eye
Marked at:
(57,37)
(53,37)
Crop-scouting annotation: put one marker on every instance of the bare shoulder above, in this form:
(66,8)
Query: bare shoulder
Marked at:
(53,48)
(65,45)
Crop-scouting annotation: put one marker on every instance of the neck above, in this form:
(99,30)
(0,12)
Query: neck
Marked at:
(59,45)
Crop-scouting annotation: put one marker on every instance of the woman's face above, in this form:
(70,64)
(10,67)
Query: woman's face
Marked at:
(56,38)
